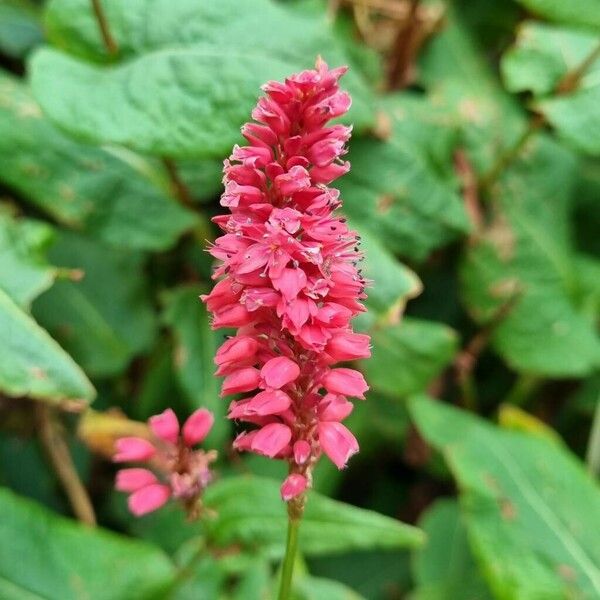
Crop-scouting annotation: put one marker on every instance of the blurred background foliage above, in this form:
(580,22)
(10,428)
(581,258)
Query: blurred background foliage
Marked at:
(475,187)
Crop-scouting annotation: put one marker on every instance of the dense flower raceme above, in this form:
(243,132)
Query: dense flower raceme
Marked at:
(288,279)
(183,472)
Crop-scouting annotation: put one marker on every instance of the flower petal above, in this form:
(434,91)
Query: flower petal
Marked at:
(337,442)
(133,449)
(197,426)
(279,371)
(148,499)
(165,426)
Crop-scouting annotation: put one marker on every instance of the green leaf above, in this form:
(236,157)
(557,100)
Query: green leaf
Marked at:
(531,509)
(585,13)
(407,356)
(206,580)
(393,282)
(195,347)
(32,363)
(20,27)
(256,582)
(588,293)
(24,270)
(68,561)
(328,526)
(455,71)
(395,188)
(109,195)
(542,57)
(187,74)
(105,319)
(318,588)
(520,274)
(444,567)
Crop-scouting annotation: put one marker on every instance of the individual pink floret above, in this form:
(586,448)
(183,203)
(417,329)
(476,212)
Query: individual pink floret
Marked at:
(288,279)
(179,470)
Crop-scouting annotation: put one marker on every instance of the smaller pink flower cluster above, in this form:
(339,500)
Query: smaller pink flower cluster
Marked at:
(183,472)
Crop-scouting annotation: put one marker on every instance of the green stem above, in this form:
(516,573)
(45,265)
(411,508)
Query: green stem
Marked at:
(107,38)
(593,450)
(287,568)
(573,78)
(508,156)
(522,390)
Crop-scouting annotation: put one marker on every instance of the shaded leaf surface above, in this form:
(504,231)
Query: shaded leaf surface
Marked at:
(521,270)
(105,319)
(195,347)
(444,567)
(109,196)
(68,561)
(393,284)
(328,526)
(531,510)
(462,85)
(395,189)
(407,356)
(24,269)
(32,363)
(584,12)
(539,62)
(20,27)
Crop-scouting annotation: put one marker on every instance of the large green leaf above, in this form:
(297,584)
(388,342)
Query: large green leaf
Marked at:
(444,568)
(47,557)
(531,509)
(395,188)
(32,363)
(24,270)
(187,73)
(105,319)
(408,355)
(520,273)
(539,62)
(583,12)
(109,195)
(250,512)
(195,347)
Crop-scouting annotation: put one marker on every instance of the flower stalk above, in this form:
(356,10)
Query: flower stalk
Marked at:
(291,550)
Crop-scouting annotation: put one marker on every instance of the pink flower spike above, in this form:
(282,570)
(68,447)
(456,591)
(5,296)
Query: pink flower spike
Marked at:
(165,426)
(347,382)
(301,452)
(293,486)
(197,426)
(131,480)
(288,278)
(242,380)
(337,442)
(271,439)
(279,371)
(148,499)
(133,449)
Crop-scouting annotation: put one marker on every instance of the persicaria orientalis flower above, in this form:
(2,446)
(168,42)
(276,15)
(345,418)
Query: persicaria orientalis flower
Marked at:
(289,280)
(179,470)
